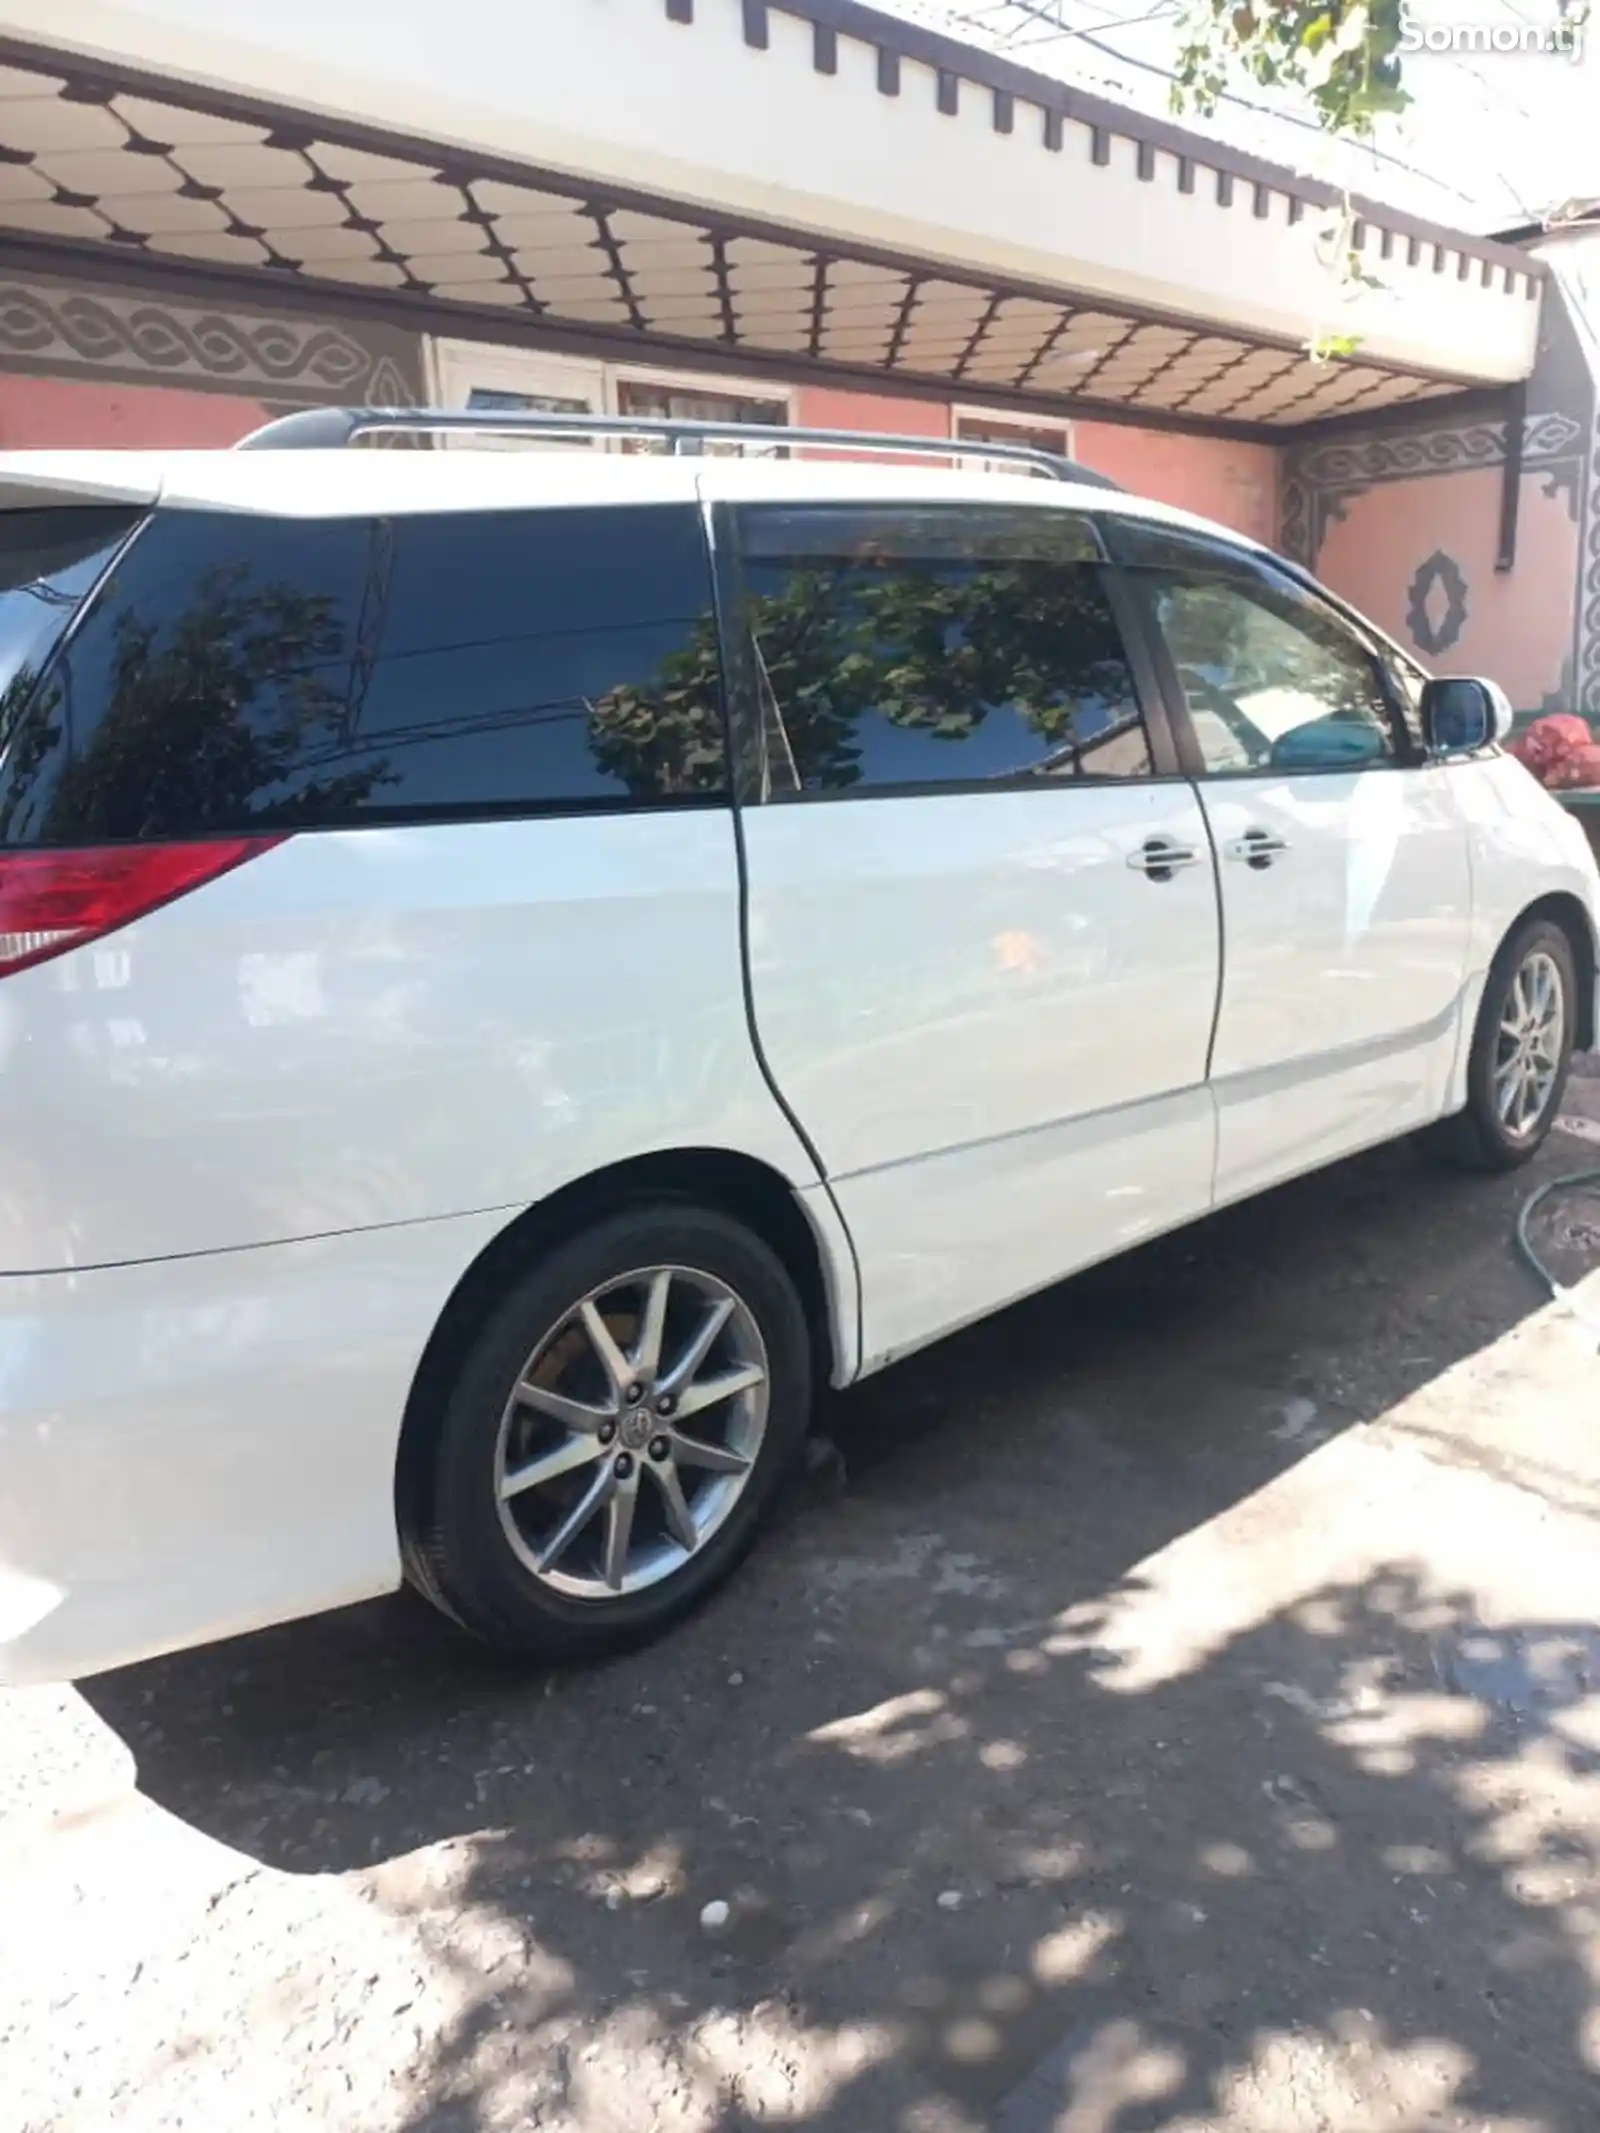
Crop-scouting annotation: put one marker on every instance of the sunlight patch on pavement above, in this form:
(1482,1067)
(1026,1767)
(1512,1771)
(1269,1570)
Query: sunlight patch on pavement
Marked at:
(1424,1483)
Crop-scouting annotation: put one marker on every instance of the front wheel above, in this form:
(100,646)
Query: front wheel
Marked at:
(1521,1050)
(614,1435)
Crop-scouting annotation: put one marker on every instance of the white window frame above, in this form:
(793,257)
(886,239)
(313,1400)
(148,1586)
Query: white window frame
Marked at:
(620,374)
(1007,418)
(455,366)
(688,381)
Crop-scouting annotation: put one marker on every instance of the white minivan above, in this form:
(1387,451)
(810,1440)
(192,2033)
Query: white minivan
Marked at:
(514,966)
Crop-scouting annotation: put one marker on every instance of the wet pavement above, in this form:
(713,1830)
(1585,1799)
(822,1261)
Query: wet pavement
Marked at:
(1173,1705)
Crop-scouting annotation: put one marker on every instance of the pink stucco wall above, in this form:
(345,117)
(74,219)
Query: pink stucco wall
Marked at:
(63,413)
(823,407)
(1234,483)
(1518,625)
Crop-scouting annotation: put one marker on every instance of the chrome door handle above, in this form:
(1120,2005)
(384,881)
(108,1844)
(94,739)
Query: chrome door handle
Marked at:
(1257,848)
(1159,858)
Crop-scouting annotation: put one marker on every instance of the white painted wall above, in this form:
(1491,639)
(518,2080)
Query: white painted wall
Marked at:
(612,89)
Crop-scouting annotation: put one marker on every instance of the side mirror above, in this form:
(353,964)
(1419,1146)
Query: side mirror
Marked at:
(1461,714)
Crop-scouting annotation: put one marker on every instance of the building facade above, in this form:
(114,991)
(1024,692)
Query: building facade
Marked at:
(88,361)
(799,212)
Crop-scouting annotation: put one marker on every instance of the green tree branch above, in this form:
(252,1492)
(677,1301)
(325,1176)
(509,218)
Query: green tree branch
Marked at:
(1343,57)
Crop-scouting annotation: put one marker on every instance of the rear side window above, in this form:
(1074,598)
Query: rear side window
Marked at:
(905,647)
(49,563)
(237,673)
(562,657)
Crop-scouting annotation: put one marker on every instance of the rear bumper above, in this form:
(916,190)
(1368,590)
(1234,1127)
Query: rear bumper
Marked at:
(195,1447)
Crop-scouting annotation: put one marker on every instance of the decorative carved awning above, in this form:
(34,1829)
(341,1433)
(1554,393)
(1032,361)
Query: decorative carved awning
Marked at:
(111,164)
(73,326)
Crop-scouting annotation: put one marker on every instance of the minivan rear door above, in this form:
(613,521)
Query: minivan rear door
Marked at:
(982,922)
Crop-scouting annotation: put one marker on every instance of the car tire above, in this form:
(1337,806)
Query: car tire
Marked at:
(1487,1136)
(537,1395)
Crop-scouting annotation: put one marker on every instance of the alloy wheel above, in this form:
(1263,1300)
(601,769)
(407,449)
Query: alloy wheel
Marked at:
(1528,1047)
(631,1432)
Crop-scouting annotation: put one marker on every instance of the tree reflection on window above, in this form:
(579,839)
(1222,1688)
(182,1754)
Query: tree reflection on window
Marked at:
(883,671)
(1012,668)
(233,710)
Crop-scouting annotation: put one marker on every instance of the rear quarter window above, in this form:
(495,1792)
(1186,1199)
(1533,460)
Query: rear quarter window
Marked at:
(50,561)
(235,673)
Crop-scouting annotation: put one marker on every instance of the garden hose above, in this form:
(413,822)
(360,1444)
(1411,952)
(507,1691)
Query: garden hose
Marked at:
(1559,1291)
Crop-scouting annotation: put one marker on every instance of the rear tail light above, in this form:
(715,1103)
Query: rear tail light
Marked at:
(53,901)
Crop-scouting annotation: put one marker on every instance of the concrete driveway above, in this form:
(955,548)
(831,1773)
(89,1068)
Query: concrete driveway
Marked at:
(1174,1705)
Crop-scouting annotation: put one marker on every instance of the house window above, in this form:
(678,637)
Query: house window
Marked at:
(514,381)
(672,400)
(489,400)
(975,426)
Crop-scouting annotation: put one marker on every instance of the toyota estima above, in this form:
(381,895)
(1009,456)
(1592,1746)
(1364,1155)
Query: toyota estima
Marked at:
(514,967)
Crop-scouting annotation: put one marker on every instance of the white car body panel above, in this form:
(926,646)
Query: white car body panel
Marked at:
(965,1231)
(252,1143)
(389,1025)
(330,484)
(199,1446)
(1346,958)
(1521,845)
(944,991)
(233,1465)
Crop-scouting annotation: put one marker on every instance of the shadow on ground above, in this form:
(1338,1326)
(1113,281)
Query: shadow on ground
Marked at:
(987,1797)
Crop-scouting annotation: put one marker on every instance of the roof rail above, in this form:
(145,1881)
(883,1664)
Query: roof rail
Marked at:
(332,428)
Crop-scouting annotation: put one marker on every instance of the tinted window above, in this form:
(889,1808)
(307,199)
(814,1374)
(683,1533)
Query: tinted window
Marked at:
(556,656)
(242,671)
(1273,680)
(49,562)
(207,686)
(923,646)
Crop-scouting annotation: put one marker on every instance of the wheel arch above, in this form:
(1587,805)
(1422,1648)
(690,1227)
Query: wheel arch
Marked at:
(1569,913)
(734,1184)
